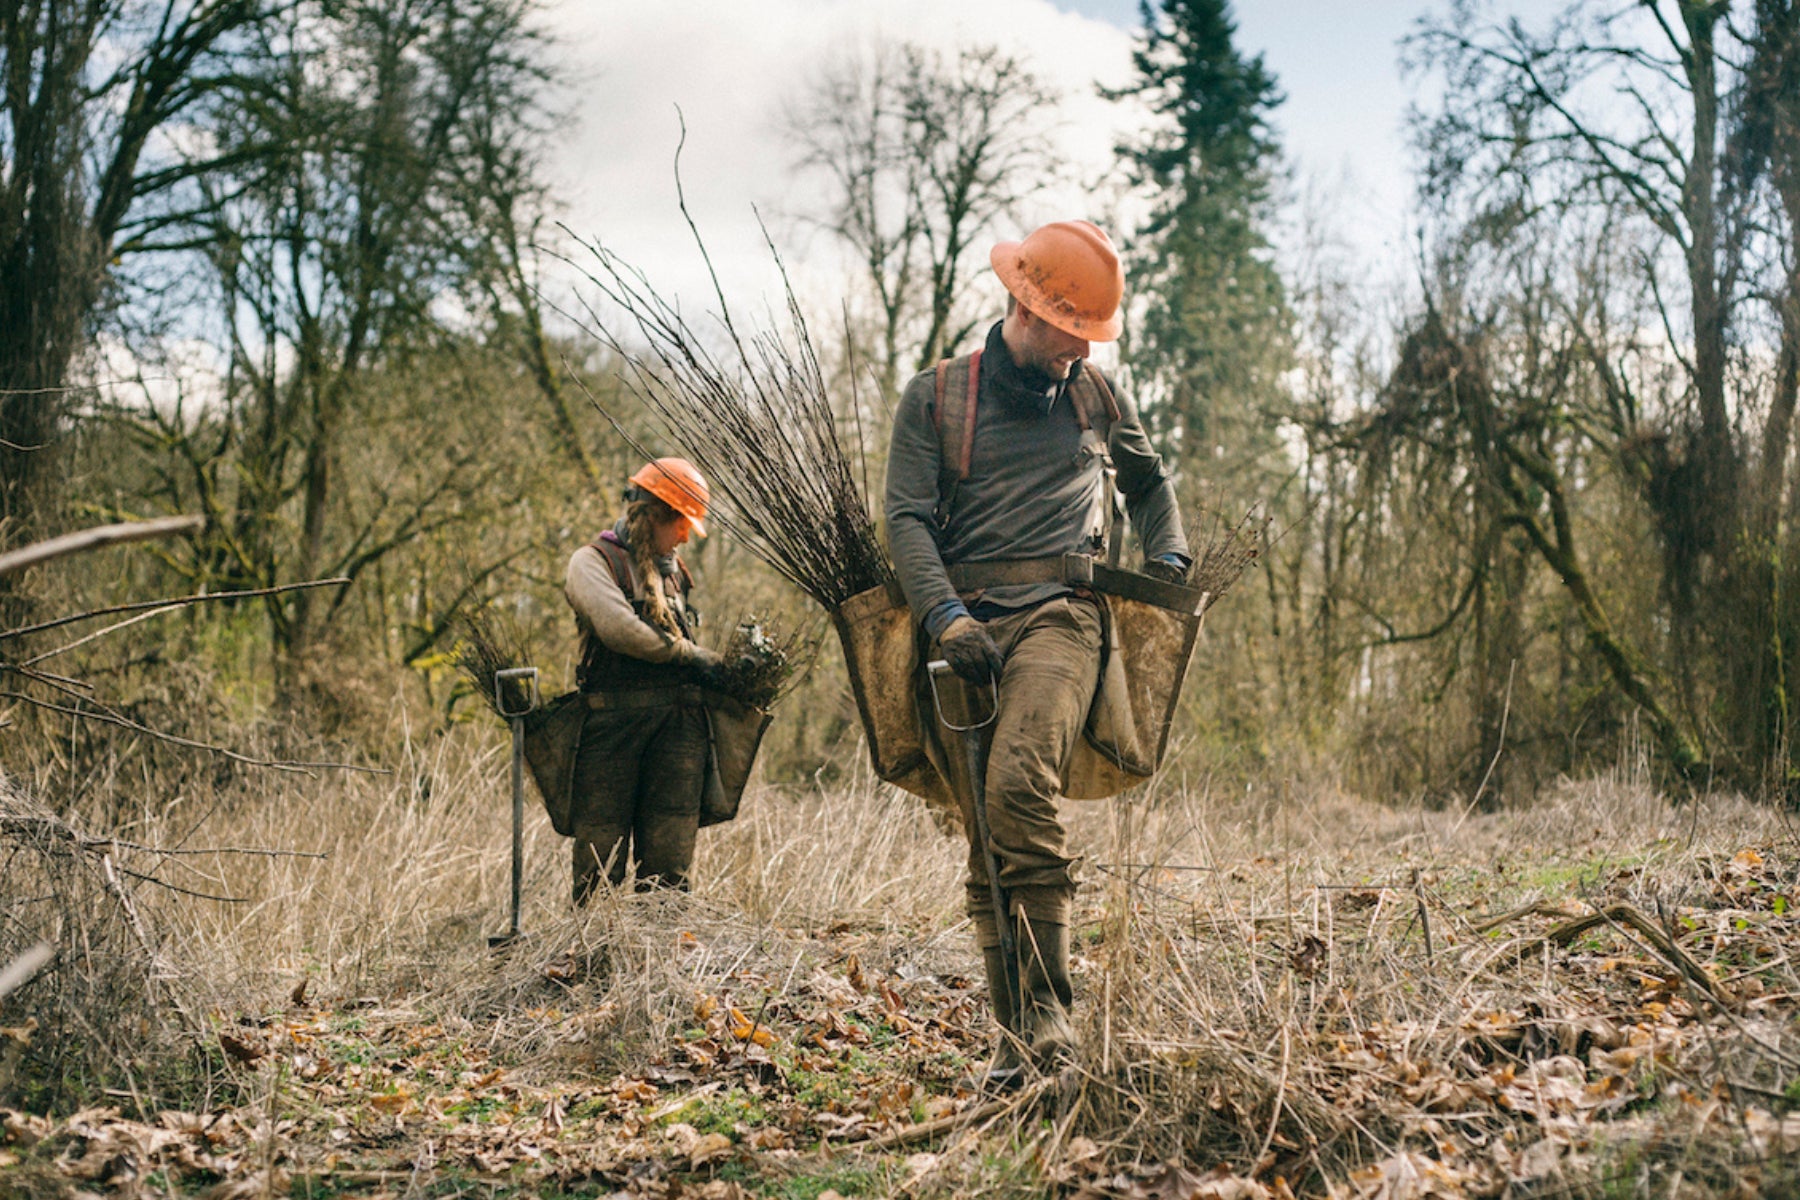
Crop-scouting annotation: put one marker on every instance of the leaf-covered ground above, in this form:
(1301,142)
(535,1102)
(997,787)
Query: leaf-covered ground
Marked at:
(1501,1021)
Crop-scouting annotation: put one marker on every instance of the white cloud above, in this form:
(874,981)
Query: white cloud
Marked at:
(730,66)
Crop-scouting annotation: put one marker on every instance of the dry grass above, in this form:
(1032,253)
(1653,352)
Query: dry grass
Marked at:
(1289,981)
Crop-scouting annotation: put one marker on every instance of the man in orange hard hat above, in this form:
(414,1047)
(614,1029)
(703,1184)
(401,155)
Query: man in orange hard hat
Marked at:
(641,762)
(996,471)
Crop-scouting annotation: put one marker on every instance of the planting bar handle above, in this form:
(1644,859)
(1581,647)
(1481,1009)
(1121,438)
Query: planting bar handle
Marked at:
(938,666)
(510,673)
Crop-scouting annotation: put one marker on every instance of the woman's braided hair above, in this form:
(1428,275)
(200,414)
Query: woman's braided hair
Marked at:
(642,514)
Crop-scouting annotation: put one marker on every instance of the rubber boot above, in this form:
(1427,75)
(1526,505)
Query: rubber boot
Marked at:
(1045,1026)
(1007,1070)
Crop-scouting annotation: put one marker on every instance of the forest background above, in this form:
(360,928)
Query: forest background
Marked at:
(283,266)
(293,266)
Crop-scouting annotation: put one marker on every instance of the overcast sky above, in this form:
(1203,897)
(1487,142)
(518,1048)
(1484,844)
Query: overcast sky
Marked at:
(730,65)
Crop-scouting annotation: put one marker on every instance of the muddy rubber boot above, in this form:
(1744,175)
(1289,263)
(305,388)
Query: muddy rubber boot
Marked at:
(1045,1026)
(1007,1070)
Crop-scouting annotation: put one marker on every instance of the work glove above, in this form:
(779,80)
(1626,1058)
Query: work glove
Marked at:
(969,650)
(708,666)
(1166,569)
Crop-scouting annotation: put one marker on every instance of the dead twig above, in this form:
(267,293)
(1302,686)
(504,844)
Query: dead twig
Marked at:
(1537,908)
(84,540)
(171,603)
(1628,914)
(108,717)
(20,970)
(926,1130)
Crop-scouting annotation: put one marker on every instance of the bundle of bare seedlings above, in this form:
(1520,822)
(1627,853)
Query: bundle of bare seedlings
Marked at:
(1224,549)
(489,646)
(755,415)
(762,664)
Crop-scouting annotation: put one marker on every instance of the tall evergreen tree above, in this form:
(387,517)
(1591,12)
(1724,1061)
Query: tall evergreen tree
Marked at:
(1212,328)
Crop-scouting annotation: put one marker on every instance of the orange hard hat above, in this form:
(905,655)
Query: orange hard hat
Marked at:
(677,483)
(1068,273)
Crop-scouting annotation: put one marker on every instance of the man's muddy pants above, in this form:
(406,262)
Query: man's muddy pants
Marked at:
(638,778)
(1052,654)
(1052,668)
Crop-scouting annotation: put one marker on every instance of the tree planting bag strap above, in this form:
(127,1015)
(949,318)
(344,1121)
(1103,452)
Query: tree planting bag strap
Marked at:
(953,414)
(640,698)
(1076,570)
(625,573)
(1097,410)
(619,559)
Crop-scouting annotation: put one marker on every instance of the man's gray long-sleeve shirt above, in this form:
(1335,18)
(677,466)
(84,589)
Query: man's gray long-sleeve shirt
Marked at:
(1031,487)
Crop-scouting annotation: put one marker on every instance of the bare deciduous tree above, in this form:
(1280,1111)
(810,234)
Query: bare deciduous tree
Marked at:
(926,158)
(96,159)
(1613,255)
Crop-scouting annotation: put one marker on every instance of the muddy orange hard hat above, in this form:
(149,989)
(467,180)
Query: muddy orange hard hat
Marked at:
(1069,274)
(678,484)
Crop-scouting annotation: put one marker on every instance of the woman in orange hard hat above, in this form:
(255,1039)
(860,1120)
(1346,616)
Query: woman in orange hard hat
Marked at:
(642,759)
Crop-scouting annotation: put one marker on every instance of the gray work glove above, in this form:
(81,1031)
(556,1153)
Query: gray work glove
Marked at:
(708,666)
(969,650)
(1166,570)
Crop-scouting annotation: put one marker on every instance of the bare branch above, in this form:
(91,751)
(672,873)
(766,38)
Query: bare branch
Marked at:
(92,539)
(163,605)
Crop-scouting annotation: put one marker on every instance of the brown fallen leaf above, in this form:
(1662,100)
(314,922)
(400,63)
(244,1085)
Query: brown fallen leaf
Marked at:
(249,1187)
(25,1129)
(1409,1176)
(1219,1183)
(709,1149)
(1307,957)
(918,1166)
(720,1189)
(244,1052)
(395,1101)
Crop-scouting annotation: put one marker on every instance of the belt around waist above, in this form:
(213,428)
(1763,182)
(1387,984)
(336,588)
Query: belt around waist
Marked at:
(1077,571)
(628,699)
(1071,569)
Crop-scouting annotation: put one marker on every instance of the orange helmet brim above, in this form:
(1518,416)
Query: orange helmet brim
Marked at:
(1009,265)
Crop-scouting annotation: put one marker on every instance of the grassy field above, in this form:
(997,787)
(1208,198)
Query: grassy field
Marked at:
(1285,991)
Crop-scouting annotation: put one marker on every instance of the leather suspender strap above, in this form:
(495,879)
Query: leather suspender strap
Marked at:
(624,574)
(1097,389)
(969,405)
(954,415)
